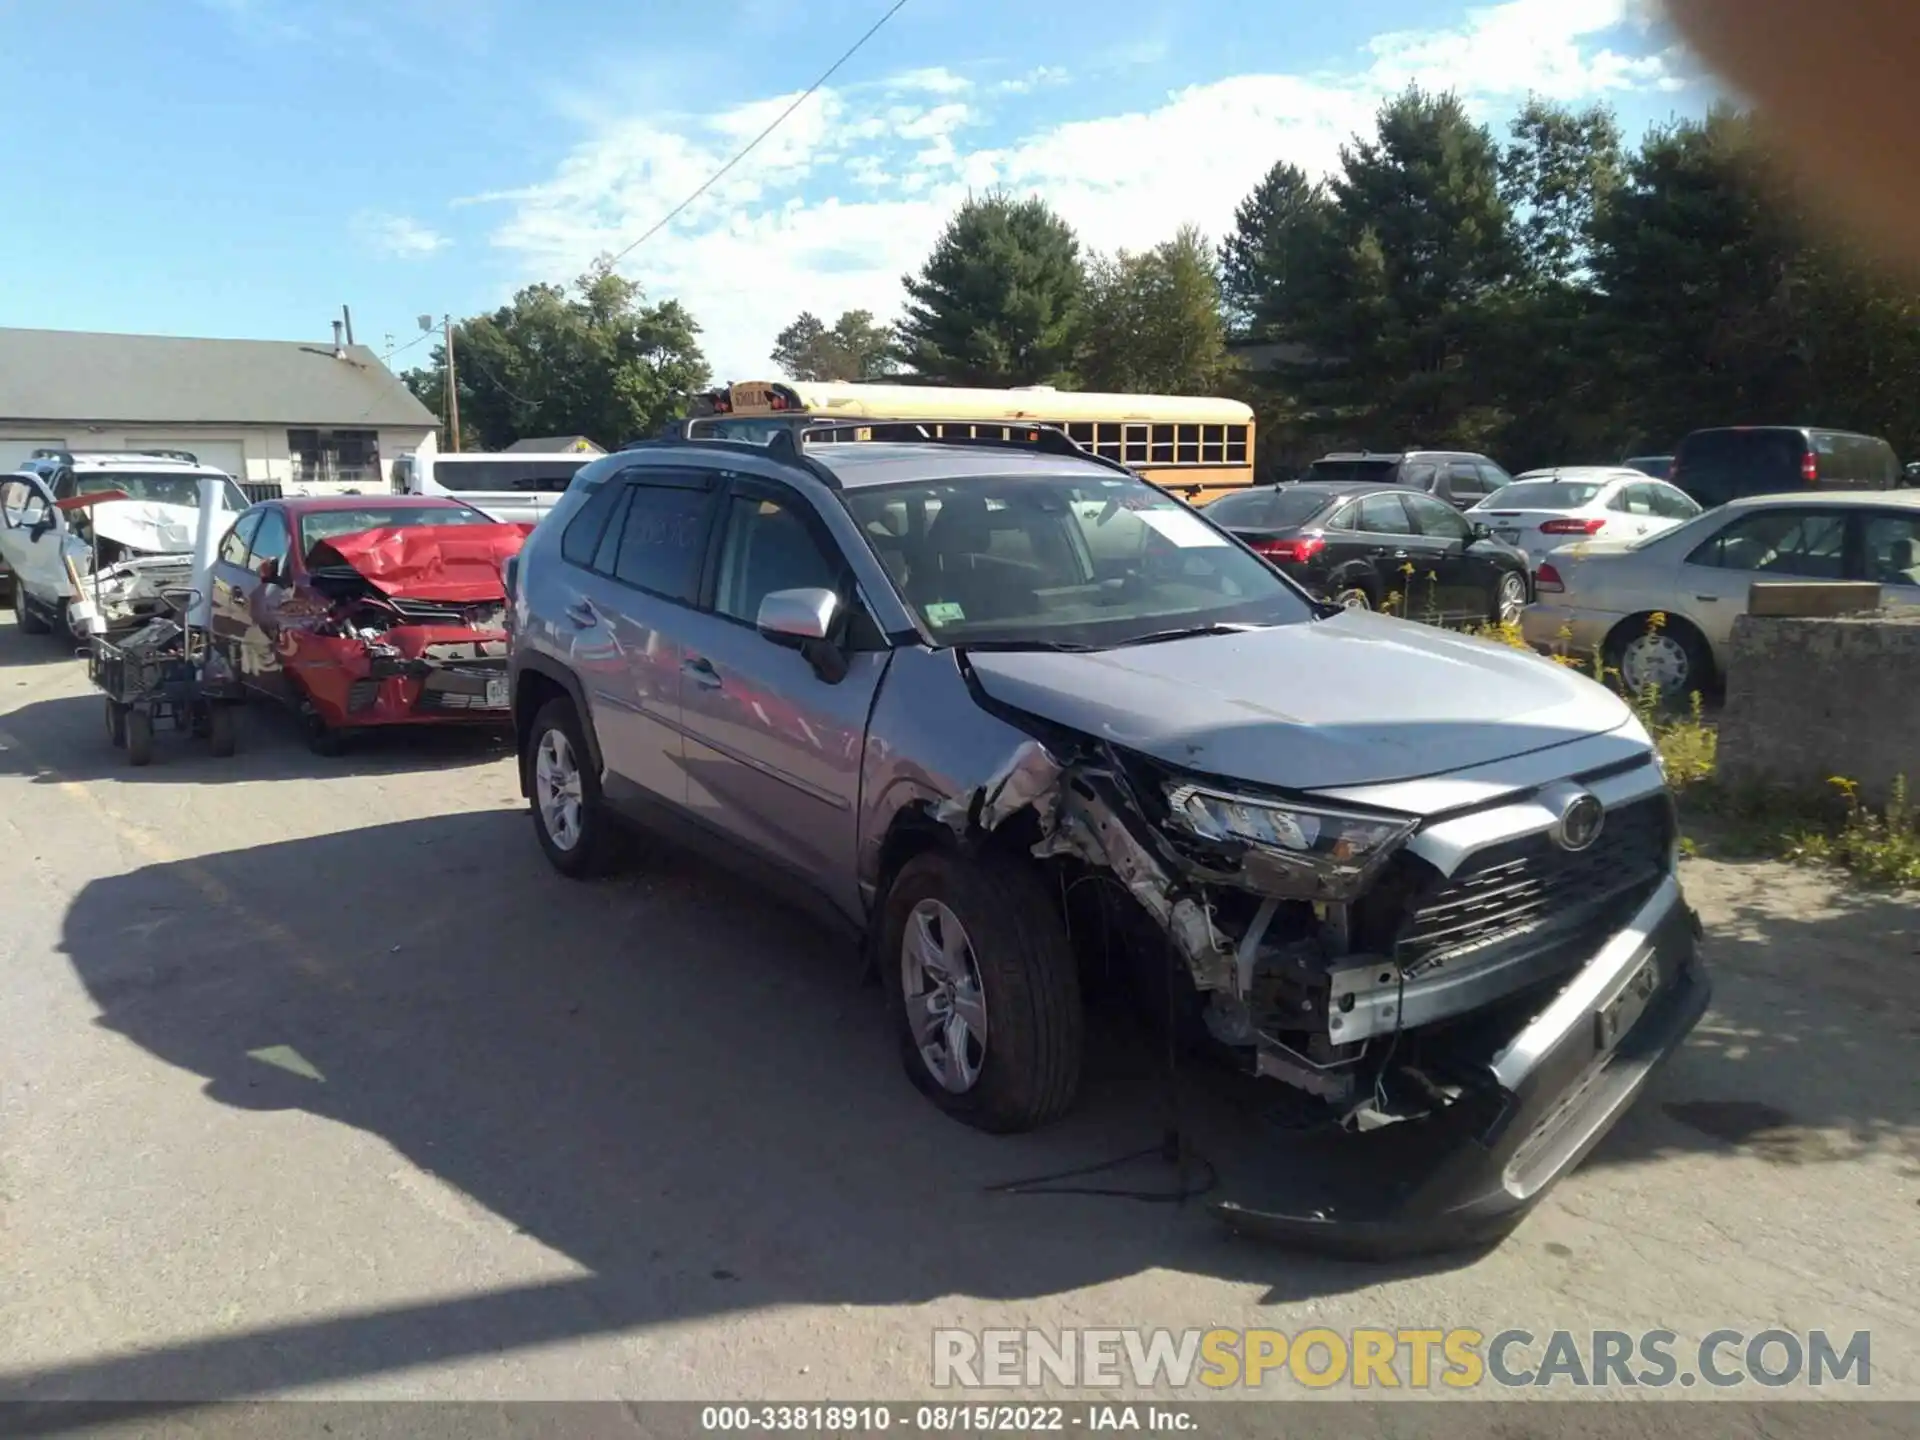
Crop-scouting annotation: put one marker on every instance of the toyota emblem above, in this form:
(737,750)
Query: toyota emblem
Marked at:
(1581,822)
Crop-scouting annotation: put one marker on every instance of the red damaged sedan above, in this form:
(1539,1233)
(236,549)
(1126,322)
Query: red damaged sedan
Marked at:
(359,612)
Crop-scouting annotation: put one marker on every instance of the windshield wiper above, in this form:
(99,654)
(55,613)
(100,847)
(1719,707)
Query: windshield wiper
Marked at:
(1185,633)
(1061,647)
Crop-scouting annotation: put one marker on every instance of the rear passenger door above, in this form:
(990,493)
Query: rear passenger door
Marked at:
(631,573)
(1890,552)
(774,744)
(1384,531)
(1453,580)
(1787,543)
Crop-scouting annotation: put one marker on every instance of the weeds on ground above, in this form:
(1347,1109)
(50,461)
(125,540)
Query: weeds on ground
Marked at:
(1879,845)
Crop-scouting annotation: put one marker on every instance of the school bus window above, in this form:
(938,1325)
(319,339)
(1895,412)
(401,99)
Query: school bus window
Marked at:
(1236,444)
(1081,433)
(1137,443)
(1213,444)
(1163,444)
(1189,445)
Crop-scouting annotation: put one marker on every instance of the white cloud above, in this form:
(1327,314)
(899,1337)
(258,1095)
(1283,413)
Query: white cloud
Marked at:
(398,236)
(849,193)
(1038,78)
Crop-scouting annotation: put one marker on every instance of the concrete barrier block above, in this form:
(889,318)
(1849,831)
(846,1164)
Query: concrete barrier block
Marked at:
(1812,598)
(1812,698)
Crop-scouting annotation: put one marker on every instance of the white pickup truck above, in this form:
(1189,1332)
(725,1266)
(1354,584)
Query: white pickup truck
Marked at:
(514,489)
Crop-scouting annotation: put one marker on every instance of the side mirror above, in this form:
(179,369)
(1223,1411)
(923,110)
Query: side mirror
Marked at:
(40,527)
(269,572)
(798,615)
(804,619)
(1482,531)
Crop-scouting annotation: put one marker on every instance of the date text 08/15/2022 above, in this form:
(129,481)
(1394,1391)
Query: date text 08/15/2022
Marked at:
(942,1419)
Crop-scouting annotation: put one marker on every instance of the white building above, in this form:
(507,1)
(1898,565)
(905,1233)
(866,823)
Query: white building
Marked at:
(309,417)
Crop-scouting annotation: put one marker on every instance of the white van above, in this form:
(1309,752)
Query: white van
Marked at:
(516,489)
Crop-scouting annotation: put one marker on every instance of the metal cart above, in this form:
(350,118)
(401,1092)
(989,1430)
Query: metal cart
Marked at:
(160,677)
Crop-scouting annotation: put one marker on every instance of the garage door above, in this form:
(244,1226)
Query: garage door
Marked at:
(227,455)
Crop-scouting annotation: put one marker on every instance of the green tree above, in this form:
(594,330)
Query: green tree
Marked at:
(1555,177)
(1421,248)
(998,301)
(856,348)
(1273,263)
(596,360)
(1153,321)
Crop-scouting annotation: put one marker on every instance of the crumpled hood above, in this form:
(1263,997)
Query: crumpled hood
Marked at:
(460,564)
(1355,700)
(148,525)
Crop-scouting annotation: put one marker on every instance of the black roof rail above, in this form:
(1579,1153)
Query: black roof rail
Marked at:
(1048,439)
(780,445)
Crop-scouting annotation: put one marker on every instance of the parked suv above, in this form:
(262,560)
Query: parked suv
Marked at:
(1030,726)
(1460,478)
(1715,466)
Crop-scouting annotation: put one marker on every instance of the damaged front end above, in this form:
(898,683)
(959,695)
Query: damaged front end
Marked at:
(122,560)
(364,657)
(1473,997)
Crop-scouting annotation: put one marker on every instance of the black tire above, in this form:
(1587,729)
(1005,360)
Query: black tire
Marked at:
(596,847)
(139,737)
(1697,659)
(323,739)
(1354,595)
(116,724)
(222,723)
(23,616)
(1029,1074)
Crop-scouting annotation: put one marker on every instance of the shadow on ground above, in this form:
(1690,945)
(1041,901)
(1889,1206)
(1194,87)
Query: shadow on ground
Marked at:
(689,1093)
(65,738)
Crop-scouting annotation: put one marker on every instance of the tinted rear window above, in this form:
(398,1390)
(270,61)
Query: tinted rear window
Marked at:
(1346,470)
(1542,495)
(1267,510)
(1715,466)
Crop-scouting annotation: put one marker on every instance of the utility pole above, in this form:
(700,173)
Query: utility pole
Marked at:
(453,386)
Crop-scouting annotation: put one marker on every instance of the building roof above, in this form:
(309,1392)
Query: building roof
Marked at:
(554,445)
(72,375)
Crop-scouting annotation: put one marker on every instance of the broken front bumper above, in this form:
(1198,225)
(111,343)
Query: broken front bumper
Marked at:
(418,676)
(1470,1174)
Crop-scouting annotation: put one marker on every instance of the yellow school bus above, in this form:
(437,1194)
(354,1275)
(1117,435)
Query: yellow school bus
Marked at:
(1194,446)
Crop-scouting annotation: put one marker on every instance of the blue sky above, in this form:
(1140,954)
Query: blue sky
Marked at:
(242,167)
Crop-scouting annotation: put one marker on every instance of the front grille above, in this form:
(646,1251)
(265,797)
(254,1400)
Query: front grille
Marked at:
(1528,888)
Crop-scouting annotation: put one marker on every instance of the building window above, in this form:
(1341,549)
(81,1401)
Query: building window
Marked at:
(340,457)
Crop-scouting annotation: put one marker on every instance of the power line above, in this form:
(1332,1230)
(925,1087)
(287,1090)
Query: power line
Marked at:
(778,120)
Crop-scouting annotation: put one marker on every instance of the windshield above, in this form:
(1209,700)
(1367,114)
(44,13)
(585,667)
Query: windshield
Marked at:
(327,524)
(1655,465)
(758,430)
(1541,495)
(548,476)
(158,489)
(1268,509)
(1063,559)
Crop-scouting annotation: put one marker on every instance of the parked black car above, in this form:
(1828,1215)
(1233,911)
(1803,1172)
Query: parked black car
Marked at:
(1460,478)
(1359,543)
(1732,462)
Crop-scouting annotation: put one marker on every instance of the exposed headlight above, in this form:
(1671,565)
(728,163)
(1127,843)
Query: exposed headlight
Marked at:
(1311,852)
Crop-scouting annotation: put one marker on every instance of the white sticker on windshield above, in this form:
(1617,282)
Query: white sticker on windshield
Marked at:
(1187,531)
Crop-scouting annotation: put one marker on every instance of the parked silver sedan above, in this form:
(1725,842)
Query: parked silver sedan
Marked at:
(1604,596)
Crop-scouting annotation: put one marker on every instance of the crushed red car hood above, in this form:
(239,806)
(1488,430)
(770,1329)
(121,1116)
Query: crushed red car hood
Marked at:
(459,563)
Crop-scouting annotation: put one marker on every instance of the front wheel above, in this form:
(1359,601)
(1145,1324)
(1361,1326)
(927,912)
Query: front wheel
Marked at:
(983,990)
(222,718)
(116,724)
(1353,597)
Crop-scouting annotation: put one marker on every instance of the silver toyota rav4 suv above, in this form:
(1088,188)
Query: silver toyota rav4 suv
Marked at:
(1031,726)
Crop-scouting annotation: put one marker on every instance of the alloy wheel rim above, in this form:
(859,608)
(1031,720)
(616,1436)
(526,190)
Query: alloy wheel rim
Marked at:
(1353,600)
(1513,598)
(557,790)
(946,1004)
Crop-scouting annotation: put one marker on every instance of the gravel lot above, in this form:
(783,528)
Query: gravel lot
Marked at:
(317,1082)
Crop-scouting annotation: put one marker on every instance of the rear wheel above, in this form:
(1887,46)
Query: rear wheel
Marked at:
(568,816)
(323,739)
(983,989)
(139,737)
(23,616)
(1670,660)
(1353,597)
(1510,598)
(116,724)
(222,719)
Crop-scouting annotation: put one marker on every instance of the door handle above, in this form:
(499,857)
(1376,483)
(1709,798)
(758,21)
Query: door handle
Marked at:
(582,614)
(1709,599)
(701,672)
(1400,555)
